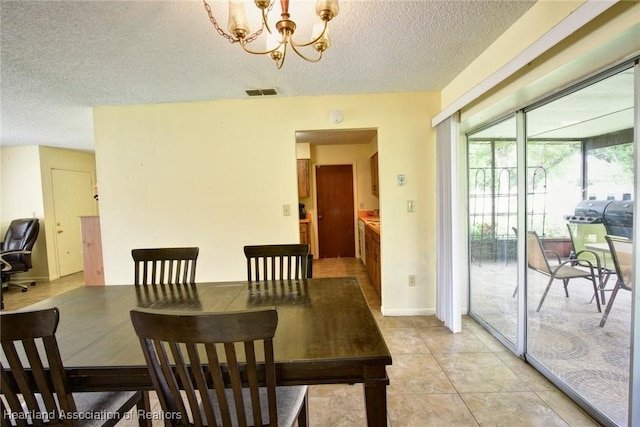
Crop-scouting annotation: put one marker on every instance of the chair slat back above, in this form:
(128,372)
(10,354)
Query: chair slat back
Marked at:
(29,346)
(536,257)
(276,262)
(205,354)
(158,266)
(622,254)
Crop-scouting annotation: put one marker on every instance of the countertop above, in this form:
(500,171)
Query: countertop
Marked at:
(372,222)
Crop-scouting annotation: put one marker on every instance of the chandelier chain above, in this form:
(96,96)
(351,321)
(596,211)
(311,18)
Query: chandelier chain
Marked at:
(229,37)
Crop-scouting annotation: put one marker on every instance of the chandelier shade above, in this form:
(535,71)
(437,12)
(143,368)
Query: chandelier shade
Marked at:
(278,37)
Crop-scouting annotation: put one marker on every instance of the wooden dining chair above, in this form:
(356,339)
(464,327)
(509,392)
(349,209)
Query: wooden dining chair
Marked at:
(158,266)
(277,262)
(563,270)
(224,364)
(621,250)
(35,395)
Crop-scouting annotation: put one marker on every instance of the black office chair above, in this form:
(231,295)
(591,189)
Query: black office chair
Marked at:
(15,250)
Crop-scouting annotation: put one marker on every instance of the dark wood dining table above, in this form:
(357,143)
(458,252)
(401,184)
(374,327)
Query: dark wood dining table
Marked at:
(326,332)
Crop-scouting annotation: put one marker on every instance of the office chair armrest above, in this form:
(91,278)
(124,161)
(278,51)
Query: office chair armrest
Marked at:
(5,266)
(3,253)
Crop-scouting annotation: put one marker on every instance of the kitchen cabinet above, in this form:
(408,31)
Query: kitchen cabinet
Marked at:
(372,254)
(303,178)
(374,176)
(304,232)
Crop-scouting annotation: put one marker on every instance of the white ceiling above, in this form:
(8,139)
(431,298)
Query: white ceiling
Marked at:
(61,58)
(603,107)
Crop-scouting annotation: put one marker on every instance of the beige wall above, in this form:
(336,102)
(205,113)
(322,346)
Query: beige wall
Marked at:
(21,194)
(27,191)
(216,175)
(537,21)
(609,38)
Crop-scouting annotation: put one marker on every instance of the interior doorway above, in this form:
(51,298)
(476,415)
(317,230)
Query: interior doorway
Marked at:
(336,229)
(72,198)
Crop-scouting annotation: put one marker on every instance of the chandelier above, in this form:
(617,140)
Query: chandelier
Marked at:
(278,39)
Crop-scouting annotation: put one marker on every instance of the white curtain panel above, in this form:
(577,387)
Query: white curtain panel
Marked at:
(449,253)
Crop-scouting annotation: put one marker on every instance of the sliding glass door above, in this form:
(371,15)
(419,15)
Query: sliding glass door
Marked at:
(583,145)
(576,154)
(493,216)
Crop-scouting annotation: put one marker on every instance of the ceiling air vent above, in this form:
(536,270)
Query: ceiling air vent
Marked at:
(261,92)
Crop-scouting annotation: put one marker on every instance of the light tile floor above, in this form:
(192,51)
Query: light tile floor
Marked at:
(437,378)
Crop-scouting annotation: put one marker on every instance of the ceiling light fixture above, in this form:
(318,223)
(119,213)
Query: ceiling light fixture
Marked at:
(280,37)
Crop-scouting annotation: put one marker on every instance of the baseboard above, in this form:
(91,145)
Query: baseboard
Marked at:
(408,312)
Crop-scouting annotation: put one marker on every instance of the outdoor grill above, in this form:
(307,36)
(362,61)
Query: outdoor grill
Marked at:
(589,212)
(618,218)
(615,215)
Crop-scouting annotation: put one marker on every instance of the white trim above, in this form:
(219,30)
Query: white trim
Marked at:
(580,17)
(634,374)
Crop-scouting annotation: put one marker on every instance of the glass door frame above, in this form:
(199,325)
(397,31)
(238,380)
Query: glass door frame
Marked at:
(520,347)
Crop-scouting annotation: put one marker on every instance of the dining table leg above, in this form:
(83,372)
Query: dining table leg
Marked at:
(375,395)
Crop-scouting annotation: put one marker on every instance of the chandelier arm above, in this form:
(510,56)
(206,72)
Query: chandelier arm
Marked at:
(322,34)
(265,21)
(301,55)
(256,52)
(280,62)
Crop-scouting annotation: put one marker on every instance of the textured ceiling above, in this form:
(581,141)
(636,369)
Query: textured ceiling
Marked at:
(60,58)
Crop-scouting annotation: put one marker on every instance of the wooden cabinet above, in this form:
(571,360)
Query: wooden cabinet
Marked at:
(92,251)
(303,178)
(304,232)
(375,190)
(372,254)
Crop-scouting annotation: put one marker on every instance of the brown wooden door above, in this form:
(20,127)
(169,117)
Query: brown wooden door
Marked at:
(336,230)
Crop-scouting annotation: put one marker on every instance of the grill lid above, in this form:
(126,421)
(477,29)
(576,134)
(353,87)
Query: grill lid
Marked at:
(618,218)
(589,212)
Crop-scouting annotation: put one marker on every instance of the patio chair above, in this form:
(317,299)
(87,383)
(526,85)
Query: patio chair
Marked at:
(211,369)
(34,395)
(563,270)
(622,256)
(581,234)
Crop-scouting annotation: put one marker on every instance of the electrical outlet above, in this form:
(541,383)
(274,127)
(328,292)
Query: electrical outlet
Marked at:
(286,210)
(401,181)
(412,280)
